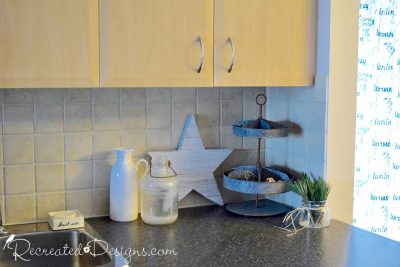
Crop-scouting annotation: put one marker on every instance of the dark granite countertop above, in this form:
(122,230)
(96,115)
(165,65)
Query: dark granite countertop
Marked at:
(211,236)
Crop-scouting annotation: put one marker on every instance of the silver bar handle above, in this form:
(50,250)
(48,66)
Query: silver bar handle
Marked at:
(232,54)
(201,54)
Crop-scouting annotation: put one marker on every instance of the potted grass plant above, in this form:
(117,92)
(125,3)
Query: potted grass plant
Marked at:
(314,193)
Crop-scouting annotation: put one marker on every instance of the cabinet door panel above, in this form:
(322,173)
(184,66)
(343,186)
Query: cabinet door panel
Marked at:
(274,42)
(49,43)
(155,42)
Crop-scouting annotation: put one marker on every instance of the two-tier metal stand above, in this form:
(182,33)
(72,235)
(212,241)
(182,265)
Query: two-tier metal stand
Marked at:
(259,184)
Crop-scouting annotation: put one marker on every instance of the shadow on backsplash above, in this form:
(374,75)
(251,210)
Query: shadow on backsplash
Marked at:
(56,143)
(304,111)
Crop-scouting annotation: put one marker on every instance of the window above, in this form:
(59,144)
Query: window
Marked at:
(377,162)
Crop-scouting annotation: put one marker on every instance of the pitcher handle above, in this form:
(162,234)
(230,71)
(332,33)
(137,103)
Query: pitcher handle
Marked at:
(146,168)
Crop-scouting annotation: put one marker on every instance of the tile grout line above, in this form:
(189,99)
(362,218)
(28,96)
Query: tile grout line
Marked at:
(196,116)
(243,108)
(147,119)
(93,104)
(220,116)
(34,154)
(64,169)
(93,154)
(172,98)
(3,199)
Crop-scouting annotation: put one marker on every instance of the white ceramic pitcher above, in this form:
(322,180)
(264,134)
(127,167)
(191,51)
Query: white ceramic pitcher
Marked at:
(124,186)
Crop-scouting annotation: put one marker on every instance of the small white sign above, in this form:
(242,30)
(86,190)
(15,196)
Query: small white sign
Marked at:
(69,219)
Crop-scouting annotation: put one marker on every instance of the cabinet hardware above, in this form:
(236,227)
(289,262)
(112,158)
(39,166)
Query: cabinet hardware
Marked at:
(232,54)
(201,54)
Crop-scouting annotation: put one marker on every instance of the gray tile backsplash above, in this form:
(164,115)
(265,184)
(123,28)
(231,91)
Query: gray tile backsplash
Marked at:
(55,150)
(56,143)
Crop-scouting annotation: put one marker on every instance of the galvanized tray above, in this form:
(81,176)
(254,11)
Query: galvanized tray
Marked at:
(255,187)
(259,128)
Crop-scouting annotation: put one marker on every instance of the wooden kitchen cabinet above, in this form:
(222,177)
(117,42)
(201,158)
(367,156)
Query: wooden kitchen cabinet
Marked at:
(271,42)
(151,43)
(49,43)
(156,43)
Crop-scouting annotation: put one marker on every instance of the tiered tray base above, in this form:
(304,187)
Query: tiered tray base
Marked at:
(265,208)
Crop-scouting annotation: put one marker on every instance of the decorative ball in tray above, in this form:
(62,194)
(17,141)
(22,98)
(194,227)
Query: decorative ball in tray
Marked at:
(257,179)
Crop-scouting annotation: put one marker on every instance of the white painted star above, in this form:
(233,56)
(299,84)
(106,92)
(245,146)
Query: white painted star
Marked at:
(194,164)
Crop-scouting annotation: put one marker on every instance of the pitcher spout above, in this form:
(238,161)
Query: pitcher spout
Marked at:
(123,154)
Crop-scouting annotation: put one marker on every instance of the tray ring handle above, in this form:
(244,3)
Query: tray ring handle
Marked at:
(261,99)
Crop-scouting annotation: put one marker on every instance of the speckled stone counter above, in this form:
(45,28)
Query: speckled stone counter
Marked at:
(211,236)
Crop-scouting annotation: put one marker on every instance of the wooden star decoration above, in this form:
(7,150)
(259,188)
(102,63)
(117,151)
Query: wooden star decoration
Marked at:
(194,164)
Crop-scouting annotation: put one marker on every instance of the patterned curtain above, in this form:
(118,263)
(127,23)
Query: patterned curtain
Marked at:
(377,163)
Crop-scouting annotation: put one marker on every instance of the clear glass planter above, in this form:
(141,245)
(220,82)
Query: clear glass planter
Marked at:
(315,214)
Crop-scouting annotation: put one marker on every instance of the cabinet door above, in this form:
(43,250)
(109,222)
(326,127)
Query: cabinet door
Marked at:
(156,43)
(49,43)
(272,42)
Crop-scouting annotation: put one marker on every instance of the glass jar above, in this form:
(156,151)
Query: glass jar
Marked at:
(159,194)
(315,214)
